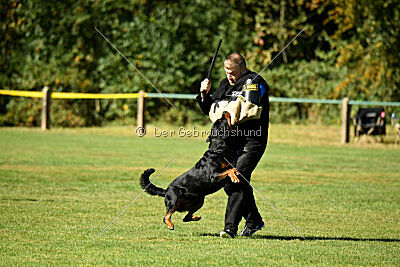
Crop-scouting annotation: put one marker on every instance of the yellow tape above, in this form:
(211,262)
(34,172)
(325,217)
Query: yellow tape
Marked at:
(21,93)
(92,96)
(59,95)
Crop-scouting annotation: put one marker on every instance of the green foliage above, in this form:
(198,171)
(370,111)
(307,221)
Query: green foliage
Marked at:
(367,38)
(316,79)
(347,48)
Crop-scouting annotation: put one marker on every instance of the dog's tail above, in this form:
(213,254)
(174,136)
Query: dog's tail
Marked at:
(148,186)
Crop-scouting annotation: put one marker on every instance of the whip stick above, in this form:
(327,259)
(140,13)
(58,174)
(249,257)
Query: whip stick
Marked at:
(211,66)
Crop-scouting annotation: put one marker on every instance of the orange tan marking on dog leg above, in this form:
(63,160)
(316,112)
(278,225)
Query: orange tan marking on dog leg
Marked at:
(167,221)
(167,218)
(222,175)
(196,218)
(191,218)
(233,175)
(224,165)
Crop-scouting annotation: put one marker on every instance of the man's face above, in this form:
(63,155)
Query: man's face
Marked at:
(233,72)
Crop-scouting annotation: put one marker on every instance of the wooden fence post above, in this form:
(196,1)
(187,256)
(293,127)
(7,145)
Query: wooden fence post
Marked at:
(140,111)
(46,105)
(346,108)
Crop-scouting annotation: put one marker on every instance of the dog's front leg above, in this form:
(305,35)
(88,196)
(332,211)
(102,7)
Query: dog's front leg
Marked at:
(232,173)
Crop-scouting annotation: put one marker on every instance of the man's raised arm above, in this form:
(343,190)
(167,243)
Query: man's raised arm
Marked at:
(203,98)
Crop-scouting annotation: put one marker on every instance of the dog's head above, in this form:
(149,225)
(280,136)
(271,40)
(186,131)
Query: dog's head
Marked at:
(221,136)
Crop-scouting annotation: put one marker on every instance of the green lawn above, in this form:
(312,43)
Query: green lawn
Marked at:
(59,189)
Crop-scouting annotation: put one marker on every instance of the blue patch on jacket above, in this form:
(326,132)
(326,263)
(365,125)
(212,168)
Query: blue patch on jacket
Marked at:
(262,90)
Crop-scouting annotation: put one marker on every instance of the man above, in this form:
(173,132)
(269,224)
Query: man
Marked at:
(242,82)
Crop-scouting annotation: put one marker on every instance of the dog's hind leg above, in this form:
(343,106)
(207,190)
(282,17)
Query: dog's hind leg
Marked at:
(172,204)
(190,217)
(167,220)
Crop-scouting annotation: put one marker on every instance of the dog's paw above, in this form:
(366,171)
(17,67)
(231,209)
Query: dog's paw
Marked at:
(233,175)
(196,218)
(235,179)
(169,224)
(192,218)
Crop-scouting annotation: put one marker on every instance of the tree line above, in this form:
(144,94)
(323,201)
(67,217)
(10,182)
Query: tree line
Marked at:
(348,48)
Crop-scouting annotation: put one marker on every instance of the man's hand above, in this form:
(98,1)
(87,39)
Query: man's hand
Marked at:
(205,86)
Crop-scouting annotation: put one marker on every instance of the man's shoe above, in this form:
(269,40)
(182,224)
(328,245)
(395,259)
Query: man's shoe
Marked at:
(227,234)
(250,231)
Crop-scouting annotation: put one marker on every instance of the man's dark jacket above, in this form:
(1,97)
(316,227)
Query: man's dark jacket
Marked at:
(229,92)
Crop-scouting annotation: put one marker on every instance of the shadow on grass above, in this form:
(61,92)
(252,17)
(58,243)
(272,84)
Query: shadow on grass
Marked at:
(26,199)
(312,238)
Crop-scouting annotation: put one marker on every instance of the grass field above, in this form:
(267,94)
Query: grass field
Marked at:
(59,189)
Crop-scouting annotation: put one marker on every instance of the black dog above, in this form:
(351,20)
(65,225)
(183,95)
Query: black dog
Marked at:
(187,192)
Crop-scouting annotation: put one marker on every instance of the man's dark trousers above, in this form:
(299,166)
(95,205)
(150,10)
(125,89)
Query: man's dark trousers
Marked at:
(241,202)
